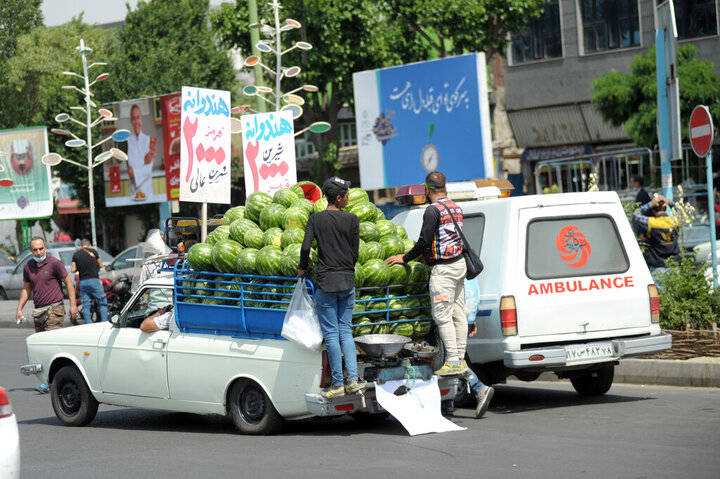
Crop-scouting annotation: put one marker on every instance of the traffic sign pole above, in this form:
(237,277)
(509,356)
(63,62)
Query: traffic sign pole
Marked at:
(701,137)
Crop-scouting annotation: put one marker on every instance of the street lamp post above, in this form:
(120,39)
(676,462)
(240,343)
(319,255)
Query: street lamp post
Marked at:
(53,159)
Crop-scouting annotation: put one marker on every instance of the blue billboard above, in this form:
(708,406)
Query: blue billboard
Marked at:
(417,118)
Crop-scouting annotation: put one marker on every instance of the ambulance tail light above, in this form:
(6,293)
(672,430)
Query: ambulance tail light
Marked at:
(508,315)
(654,303)
(326,376)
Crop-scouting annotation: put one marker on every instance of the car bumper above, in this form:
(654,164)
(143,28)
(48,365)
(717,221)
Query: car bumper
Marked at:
(568,355)
(29,369)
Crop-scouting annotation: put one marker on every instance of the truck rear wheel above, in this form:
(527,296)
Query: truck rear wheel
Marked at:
(251,409)
(71,398)
(594,383)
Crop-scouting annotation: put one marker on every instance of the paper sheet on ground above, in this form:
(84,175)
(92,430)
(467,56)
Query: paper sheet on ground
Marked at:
(418,410)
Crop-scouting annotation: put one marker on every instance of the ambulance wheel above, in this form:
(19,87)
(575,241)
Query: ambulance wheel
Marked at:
(595,383)
(251,409)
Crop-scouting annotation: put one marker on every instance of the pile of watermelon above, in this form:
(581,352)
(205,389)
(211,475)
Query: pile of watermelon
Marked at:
(263,237)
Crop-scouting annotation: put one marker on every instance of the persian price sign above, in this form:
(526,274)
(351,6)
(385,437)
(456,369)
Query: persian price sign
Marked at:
(269,151)
(24,180)
(205,146)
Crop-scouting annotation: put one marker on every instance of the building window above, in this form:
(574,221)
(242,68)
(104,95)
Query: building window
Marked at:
(695,18)
(541,39)
(610,24)
(304,147)
(347,134)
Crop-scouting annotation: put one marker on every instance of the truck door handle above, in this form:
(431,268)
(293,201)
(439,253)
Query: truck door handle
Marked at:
(159,342)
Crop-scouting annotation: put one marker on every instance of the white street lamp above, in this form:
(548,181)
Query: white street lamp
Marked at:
(53,159)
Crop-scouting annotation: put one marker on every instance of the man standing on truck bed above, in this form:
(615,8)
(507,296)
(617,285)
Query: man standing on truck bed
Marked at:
(442,248)
(338,238)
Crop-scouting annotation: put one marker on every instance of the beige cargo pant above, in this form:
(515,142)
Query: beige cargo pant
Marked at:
(447,300)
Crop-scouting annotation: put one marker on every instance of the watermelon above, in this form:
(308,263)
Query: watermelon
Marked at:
(268,261)
(192,300)
(355,196)
(239,227)
(408,245)
(246,261)
(320,205)
(230,290)
(370,250)
(200,257)
(212,301)
(220,233)
(364,210)
(285,197)
(234,213)
(369,231)
(291,235)
(254,238)
(381,329)
(364,326)
(254,293)
(272,216)
(401,231)
(418,273)
(392,244)
(398,273)
(386,227)
(413,303)
(379,215)
(420,330)
(295,217)
(225,254)
(307,189)
(290,260)
(403,329)
(194,284)
(358,307)
(305,204)
(377,272)
(255,203)
(395,306)
(374,307)
(359,275)
(272,237)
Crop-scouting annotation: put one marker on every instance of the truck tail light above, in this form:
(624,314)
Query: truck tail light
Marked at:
(5,406)
(326,376)
(654,303)
(508,315)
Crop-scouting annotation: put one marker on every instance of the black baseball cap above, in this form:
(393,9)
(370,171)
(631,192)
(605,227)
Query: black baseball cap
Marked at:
(335,186)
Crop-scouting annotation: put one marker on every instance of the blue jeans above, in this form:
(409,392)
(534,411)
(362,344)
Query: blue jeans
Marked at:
(93,288)
(335,313)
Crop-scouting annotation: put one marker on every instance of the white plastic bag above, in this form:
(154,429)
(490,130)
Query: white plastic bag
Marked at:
(301,323)
(472,299)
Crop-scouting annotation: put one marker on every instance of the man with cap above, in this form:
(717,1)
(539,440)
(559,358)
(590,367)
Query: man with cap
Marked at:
(338,239)
(442,248)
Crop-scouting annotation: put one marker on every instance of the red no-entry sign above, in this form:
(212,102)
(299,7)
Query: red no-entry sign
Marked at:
(701,130)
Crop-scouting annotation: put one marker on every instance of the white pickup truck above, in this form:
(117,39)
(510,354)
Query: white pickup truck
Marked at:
(565,288)
(223,354)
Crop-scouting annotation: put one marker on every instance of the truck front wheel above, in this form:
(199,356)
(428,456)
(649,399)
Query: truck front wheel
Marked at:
(71,398)
(594,383)
(251,409)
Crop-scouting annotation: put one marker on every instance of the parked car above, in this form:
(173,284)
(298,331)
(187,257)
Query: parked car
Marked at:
(123,264)
(9,439)
(7,262)
(11,282)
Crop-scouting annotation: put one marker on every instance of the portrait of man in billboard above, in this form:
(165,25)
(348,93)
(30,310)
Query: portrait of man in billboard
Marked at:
(141,153)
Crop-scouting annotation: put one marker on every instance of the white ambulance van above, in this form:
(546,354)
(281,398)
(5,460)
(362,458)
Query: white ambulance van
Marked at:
(565,288)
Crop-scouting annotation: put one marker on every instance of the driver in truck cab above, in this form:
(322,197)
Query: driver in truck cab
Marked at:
(442,249)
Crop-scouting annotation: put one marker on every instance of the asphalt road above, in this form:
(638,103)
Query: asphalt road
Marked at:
(532,430)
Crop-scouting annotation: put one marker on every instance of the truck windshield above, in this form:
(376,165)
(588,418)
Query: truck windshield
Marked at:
(574,246)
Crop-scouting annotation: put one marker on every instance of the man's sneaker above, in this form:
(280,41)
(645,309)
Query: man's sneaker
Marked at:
(452,368)
(354,387)
(333,392)
(483,401)
(42,388)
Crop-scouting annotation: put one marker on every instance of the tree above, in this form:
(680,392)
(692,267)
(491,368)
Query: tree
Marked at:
(164,45)
(631,99)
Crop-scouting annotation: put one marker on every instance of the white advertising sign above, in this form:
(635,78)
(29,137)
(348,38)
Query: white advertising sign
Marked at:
(269,151)
(205,146)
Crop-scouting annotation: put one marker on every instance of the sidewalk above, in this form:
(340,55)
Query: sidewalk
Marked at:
(699,372)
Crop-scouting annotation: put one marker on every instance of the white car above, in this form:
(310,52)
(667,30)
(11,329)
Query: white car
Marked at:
(9,439)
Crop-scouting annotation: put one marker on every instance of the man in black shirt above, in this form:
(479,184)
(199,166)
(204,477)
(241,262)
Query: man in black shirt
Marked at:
(338,239)
(87,263)
(642,196)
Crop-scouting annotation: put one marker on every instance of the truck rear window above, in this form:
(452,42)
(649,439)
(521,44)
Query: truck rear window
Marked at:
(574,246)
(473,228)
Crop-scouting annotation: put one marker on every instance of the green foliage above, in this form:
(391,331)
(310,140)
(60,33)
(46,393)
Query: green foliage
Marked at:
(686,297)
(632,98)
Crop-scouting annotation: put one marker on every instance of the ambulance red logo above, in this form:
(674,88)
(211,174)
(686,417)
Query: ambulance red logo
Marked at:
(573,247)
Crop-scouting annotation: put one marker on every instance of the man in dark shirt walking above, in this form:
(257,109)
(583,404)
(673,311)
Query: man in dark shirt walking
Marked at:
(338,239)
(87,263)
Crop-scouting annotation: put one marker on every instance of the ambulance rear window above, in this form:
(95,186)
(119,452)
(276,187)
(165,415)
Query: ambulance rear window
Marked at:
(574,246)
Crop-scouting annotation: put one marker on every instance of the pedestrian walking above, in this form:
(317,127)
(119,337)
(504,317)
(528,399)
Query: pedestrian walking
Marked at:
(441,246)
(87,263)
(338,240)
(43,277)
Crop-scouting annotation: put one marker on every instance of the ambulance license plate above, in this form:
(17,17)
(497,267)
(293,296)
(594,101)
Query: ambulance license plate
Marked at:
(588,351)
